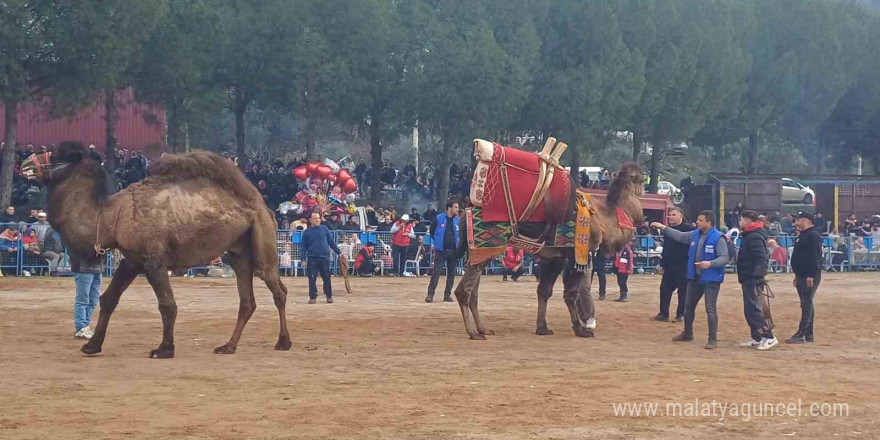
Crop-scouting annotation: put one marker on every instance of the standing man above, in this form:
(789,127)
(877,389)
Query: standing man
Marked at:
(707,256)
(317,241)
(599,269)
(87,277)
(806,262)
(751,268)
(445,234)
(401,235)
(673,266)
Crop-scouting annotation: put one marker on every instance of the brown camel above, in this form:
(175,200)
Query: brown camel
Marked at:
(190,210)
(605,232)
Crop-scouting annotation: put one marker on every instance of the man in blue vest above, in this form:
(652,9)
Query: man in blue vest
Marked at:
(445,235)
(707,256)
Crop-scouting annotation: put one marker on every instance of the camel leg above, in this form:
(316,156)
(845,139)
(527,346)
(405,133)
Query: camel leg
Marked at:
(571,281)
(279,294)
(122,278)
(550,270)
(157,275)
(463,292)
(265,266)
(243,265)
(475,310)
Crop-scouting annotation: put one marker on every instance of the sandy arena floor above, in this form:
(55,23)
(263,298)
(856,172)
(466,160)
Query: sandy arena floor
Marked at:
(381,363)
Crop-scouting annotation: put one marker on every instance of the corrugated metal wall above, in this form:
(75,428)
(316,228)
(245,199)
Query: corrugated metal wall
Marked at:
(139,126)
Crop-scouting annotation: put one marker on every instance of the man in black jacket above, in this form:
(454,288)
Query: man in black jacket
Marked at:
(673,265)
(751,268)
(806,263)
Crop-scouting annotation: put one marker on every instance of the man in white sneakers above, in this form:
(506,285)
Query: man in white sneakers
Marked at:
(87,276)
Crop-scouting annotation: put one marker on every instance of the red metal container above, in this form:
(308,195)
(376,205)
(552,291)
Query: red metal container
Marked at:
(139,126)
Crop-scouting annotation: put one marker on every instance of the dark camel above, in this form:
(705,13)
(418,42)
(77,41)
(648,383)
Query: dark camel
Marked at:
(190,210)
(605,232)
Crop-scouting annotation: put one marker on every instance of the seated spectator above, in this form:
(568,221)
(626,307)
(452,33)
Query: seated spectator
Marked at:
(364,265)
(333,223)
(33,217)
(385,224)
(351,224)
(778,255)
(865,230)
(52,250)
(9,246)
(787,224)
(8,216)
(41,226)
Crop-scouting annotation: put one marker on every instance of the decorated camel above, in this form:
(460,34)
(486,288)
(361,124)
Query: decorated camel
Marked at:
(190,210)
(525,199)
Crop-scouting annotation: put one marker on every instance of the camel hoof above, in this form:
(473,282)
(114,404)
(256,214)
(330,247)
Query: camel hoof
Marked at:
(224,349)
(544,332)
(478,337)
(283,344)
(583,333)
(487,332)
(162,353)
(90,349)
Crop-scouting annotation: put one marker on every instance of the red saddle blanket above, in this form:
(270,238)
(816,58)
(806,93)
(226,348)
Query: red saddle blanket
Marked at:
(487,189)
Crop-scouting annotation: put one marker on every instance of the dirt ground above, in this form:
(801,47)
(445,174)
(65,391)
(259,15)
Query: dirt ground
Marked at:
(381,363)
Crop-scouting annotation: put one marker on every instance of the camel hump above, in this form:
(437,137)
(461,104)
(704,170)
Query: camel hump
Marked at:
(205,165)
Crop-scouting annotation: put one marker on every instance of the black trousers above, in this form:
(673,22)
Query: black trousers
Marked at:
(753,311)
(599,270)
(674,278)
(367,268)
(621,282)
(443,259)
(806,295)
(515,274)
(398,255)
(318,265)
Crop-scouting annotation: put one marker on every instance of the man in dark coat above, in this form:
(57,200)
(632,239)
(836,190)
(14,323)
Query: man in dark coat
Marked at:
(673,265)
(751,267)
(806,263)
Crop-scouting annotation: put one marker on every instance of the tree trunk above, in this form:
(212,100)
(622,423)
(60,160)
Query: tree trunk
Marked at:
(8,153)
(172,118)
(310,132)
(575,164)
(655,164)
(443,170)
(752,153)
(875,161)
(637,146)
(376,157)
(718,151)
(240,108)
(110,117)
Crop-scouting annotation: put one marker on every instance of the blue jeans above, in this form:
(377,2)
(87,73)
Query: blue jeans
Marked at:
(88,290)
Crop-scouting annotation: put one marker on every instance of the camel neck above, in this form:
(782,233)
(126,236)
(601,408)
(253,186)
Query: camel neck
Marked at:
(75,210)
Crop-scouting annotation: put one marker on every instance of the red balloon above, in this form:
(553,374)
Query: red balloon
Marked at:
(301,172)
(312,166)
(349,186)
(344,175)
(332,177)
(324,171)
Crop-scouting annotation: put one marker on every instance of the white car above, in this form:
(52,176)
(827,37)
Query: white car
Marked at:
(665,188)
(794,192)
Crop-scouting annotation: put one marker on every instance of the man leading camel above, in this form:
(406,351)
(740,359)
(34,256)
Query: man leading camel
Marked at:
(707,257)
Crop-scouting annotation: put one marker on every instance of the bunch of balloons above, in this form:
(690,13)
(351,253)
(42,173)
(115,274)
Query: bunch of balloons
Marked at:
(329,171)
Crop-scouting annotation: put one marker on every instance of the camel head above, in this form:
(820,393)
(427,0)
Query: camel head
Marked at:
(41,166)
(629,179)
